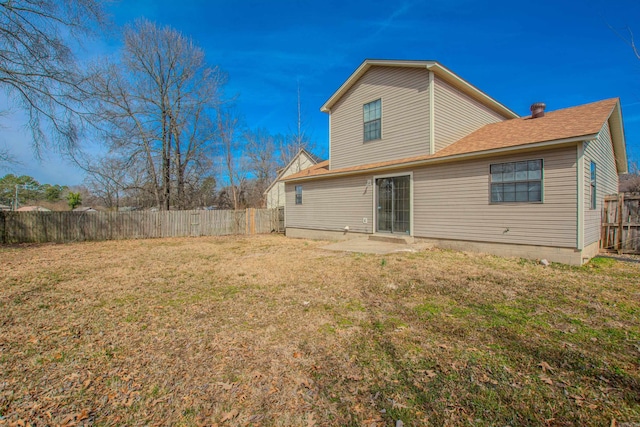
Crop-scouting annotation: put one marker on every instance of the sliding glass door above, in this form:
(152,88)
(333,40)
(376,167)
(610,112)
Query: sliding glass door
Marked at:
(393,199)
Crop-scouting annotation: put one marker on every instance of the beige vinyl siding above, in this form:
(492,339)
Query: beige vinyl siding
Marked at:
(457,115)
(405,117)
(451,201)
(601,152)
(331,204)
(276,196)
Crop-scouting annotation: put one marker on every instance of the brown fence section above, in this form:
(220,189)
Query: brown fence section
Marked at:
(42,227)
(621,224)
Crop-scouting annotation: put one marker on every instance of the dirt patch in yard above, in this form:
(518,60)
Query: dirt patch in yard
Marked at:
(276,332)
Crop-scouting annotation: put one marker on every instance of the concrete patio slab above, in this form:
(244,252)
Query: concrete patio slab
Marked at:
(364,245)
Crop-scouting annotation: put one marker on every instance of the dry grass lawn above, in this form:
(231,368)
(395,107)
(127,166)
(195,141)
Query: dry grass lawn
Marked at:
(270,331)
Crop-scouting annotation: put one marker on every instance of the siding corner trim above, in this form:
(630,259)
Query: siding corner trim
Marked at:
(329,138)
(432,113)
(580,198)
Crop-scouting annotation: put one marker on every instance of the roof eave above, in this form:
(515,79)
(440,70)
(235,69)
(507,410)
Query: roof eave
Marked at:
(462,156)
(618,139)
(466,87)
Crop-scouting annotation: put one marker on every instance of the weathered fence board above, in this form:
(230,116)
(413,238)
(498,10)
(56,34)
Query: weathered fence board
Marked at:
(42,227)
(621,224)
(280,219)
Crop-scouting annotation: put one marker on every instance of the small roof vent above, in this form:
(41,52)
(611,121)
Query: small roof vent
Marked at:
(537,109)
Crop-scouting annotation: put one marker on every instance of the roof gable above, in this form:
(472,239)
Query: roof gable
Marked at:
(439,70)
(302,152)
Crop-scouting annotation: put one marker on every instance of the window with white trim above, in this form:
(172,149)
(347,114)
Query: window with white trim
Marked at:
(594,199)
(516,182)
(298,194)
(372,120)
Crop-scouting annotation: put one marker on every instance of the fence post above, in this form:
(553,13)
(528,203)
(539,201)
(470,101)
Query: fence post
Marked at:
(253,221)
(278,219)
(604,218)
(620,217)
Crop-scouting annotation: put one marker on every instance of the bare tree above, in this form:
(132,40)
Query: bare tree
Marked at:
(124,125)
(230,147)
(155,107)
(37,67)
(260,150)
(106,180)
(630,182)
(627,36)
(193,130)
(297,138)
(6,158)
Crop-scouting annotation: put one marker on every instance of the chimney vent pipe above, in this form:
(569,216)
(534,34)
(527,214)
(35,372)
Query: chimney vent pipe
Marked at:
(537,109)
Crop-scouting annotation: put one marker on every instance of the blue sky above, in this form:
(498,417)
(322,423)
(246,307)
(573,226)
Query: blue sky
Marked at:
(559,52)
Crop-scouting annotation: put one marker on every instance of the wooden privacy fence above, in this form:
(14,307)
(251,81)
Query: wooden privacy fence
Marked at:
(42,227)
(621,224)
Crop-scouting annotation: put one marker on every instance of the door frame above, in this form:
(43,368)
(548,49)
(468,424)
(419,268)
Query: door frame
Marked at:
(375,199)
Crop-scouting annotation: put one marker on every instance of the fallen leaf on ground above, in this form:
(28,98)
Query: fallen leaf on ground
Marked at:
(546,379)
(226,386)
(83,415)
(311,422)
(229,415)
(545,367)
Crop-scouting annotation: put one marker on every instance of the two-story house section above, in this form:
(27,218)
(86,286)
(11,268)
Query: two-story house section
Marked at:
(416,151)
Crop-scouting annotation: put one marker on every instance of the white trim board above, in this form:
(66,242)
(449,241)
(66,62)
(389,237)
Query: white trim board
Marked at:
(580,198)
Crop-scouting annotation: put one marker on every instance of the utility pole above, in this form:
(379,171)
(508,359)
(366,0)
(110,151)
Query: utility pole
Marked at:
(24,187)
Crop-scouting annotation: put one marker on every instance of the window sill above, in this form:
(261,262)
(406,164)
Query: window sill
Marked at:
(515,203)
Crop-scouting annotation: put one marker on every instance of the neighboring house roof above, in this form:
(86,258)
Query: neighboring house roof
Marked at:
(33,209)
(314,159)
(437,68)
(85,209)
(321,168)
(569,125)
(5,208)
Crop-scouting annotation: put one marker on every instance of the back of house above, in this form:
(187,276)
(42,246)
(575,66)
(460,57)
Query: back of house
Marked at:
(418,152)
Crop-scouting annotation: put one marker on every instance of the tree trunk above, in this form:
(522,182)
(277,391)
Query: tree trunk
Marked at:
(166,161)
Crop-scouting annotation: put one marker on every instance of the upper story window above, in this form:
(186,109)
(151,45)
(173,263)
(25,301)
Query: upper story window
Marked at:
(594,200)
(298,194)
(373,120)
(516,182)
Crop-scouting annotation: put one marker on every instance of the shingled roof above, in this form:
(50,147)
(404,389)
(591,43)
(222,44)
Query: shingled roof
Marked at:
(579,123)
